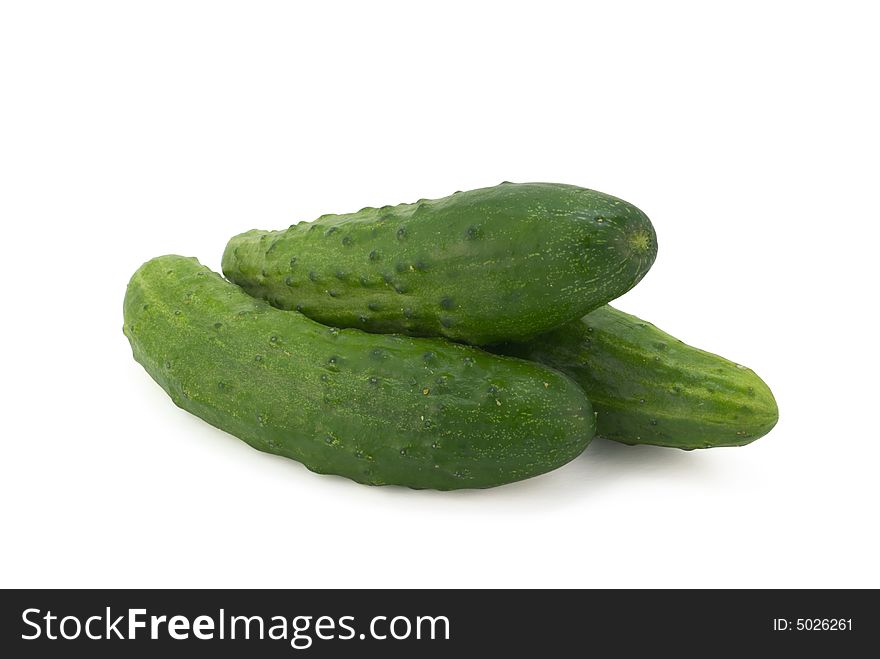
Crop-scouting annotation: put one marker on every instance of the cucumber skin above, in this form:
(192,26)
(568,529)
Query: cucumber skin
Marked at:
(495,264)
(424,413)
(648,387)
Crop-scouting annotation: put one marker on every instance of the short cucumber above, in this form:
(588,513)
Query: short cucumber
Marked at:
(424,413)
(495,264)
(648,387)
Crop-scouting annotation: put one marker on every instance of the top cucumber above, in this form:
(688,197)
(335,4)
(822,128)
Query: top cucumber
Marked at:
(484,266)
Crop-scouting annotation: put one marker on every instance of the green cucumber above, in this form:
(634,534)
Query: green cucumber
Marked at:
(648,387)
(495,264)
(424,413)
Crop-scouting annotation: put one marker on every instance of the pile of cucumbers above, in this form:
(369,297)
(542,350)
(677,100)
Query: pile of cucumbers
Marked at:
(463,342)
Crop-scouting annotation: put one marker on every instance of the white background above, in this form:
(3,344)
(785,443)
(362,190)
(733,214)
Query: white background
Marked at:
(748,134)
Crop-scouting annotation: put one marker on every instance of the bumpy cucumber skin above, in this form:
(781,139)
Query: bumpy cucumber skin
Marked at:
(424,413)
(483,266)
(648,387)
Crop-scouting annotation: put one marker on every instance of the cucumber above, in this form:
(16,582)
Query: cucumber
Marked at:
(424,413)
(495,264)
(648,387)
